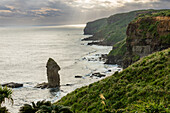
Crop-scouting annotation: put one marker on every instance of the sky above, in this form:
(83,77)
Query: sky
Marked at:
(58,12)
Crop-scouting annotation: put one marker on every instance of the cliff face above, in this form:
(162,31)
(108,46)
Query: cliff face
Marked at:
(112,29)
(116,55)
(145,35)
(115,29)
(93,27)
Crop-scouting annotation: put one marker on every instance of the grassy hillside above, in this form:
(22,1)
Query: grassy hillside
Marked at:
(142,87)
(115,30)
(119,49)
(95,26)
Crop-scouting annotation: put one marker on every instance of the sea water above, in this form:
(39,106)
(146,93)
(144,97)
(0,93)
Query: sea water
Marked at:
(24,52)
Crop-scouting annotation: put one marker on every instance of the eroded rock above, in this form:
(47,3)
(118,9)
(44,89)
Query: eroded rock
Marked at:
(97,75)
(52,73)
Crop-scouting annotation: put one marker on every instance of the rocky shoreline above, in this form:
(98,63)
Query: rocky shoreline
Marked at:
(52,71)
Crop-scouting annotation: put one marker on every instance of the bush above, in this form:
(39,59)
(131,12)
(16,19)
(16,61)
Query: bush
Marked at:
(3,110)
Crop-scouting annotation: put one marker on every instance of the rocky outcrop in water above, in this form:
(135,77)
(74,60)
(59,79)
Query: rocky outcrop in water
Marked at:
(52,73)
(42,85)
(12,85)
(97,75)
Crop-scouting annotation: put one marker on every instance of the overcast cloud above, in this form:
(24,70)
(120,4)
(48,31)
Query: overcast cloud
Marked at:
(53,12)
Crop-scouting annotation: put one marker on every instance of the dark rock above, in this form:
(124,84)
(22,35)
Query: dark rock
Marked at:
(119,69)
(69,84)
(52,73)
(103,57)
(52,76)
(78,76)
(88,39)
(12,85)
(92,59)
(101,43)
(83,58)
(109,70)
(93,43)
(97,75)
(42,85)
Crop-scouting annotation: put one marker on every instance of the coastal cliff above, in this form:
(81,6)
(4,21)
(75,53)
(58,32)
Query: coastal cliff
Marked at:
(146,34)
(111,30)
(114,29)
(93,27)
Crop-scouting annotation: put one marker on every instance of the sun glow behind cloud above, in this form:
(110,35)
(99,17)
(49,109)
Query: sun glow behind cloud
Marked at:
(105,3)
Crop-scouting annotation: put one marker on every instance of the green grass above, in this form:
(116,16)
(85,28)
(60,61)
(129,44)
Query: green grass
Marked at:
(95,26)
(115,31)
(154,13)
(142,87)
(148,25)
(165,39)
(119,49)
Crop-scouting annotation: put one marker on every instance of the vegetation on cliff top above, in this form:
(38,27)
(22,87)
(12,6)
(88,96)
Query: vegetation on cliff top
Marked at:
(155,13)
(95,26)
(150,24)
(119,49)
(142,87)
(114,28)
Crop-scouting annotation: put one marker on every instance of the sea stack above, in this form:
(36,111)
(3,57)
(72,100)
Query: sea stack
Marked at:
(52,74)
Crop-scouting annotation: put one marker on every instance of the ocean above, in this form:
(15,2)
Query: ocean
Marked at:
(24,52)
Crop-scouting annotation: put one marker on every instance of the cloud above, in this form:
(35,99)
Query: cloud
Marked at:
(44,12)
(69,11)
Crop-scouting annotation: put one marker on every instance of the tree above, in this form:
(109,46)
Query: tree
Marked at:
(44,107)
(54,109)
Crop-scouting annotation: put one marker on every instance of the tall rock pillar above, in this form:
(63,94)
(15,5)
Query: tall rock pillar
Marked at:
(52,73)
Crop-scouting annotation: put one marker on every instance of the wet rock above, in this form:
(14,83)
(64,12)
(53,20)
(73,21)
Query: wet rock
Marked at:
(109,70)
(92,59)
(93,43)
(103,57)
(42,85)
(78,76)
(12,85)
(69,84)
(97,75)
(52,74)
(118,69)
